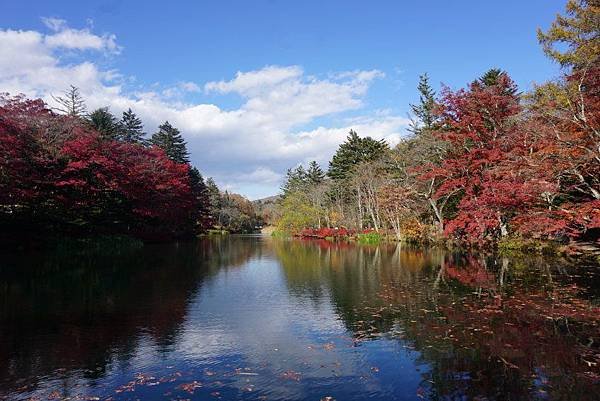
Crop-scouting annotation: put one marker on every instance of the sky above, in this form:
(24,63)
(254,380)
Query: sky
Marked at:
(259,86)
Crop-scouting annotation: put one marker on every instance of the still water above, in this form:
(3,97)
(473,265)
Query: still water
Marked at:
(252,318)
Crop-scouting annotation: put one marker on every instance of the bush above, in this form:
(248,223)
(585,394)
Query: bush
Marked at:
(370,238)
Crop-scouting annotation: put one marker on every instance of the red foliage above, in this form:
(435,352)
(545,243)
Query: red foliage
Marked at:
(479,126)
(55,173)
(326,232)
(534,173)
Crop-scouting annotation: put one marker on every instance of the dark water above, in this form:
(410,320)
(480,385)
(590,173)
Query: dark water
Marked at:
(258,319)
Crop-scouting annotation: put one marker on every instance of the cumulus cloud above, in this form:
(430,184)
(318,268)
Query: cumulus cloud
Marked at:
(246,149)
(78,39)
(253,82)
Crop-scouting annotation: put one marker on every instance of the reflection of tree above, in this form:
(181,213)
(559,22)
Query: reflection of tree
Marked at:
(353,275)
(89,310)
(488,327)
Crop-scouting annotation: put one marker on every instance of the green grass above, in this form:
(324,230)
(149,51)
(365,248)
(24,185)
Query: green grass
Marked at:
(370,238)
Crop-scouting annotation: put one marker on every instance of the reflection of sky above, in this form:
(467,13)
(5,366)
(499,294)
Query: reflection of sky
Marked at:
(248,315)
(246,335)
(274,325)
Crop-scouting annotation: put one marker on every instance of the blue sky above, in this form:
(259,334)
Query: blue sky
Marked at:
(259,86)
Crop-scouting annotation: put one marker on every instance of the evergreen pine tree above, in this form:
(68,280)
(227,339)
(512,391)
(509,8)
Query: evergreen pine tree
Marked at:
(132,130)
(353,152)
(314,173)
(105,123)
(202,212)
(295,180)
(169,139)
(425,117)
(214,198)
(493,77)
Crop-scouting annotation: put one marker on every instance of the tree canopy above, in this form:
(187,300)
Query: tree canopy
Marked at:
(169,139)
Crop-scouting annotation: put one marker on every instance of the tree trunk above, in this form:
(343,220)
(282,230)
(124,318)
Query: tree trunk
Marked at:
(437,213)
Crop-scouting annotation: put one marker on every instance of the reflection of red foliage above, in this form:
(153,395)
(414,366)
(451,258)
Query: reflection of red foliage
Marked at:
(474,274)
(531,333)
(480,278)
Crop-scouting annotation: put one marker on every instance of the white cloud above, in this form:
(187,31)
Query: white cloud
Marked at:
(247,148)
(54,24)
(78,39)
(253,82)
(262,175)
(190,87)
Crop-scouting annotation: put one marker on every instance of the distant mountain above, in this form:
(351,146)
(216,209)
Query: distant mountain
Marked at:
(267,200)
(265,208)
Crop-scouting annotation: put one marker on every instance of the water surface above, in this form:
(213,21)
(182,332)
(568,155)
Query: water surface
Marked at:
(251,318)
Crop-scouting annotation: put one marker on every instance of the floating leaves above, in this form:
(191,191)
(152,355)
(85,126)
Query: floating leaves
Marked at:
(190,387)
(291,375)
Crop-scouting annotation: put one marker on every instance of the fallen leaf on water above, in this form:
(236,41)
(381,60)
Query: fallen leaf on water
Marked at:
(290,375)
(329,346)
(190,387)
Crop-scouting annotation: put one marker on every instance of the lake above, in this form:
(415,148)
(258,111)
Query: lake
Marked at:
(254,318)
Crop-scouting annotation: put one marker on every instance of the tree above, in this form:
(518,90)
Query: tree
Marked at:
(492,77)
(169,139)
(105,123)
(577,31)
(398,204)
(238,214)
(71,104)
(354,151)
(295,180)
(82,184)
(297,213)
(132,130)
(411,161)
(481,130)
(214,198)
(200,216)
(565,123)
(424,112)
(314,173)
(367,180)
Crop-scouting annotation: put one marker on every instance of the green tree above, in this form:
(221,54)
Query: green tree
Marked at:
(215,200)
(132,130)
(353,151)
(201,218)
(297,212)
(424,112)
(314,173)
(295,180)
(574,40)
(105,123)
(169,139)
(494,77)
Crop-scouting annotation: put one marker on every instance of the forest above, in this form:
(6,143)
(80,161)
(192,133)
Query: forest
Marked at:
(484,164)
(68,172)
(481,164)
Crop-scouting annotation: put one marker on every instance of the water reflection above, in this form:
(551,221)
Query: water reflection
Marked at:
(255,318)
